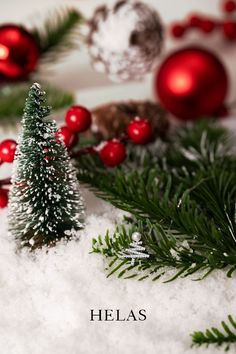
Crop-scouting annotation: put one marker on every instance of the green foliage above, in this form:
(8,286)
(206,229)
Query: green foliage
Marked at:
(58,34)
(226,336)
(45,204)
(181,196)
(12,100)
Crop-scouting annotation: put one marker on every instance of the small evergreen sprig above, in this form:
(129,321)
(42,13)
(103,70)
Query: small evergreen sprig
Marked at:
(10,113)
(58,34)
(181,198)
(216,336)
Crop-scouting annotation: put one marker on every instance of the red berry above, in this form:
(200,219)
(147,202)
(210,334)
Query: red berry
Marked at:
(67,136)
(3,198)
(177,30)
(194,21)
(229,29)
(78,119)
(229,6)
(139,131)
(7,150)
(207,25)
(113,153)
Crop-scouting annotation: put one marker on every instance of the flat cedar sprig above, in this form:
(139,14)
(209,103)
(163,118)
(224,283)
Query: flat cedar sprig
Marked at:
(183,192)
(225,336)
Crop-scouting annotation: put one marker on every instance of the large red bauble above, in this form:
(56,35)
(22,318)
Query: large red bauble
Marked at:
(113,153)
(191,83)
(78,119)
(7,150)
(19,52)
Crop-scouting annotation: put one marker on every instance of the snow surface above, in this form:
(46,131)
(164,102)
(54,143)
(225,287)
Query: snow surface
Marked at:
(45,300)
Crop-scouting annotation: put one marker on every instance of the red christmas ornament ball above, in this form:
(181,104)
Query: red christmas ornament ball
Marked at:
(69,138)
(19,52)
(229,6)
(113,153)
(191,83)
(7,150)
(3,198)
(229,30)
(78,119)
(139,131)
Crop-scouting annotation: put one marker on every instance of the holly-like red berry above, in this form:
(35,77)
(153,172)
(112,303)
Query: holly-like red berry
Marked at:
(139,131)
(113,153)
(7,150)
(3,198)
(194,21)
(69,138)
(78,119)
(177,30)
(229,6)
(207,25)
(229,29)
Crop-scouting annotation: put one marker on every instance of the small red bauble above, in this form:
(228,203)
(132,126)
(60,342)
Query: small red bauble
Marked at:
(229,29)
(3,198)
(229,6)
(113,153)
(78,119)
(139,131)
(69,138)
(207,25)
(7,150)
(191,83)
(19,52)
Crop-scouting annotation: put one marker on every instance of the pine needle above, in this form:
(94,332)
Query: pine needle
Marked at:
(223,337)
(58,34)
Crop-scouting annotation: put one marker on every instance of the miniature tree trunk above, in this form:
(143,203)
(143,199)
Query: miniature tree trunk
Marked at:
(45,203)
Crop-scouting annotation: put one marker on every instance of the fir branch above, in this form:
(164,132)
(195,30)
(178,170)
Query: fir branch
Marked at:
(226,336)
(58,34)
(184,195)
(10,113)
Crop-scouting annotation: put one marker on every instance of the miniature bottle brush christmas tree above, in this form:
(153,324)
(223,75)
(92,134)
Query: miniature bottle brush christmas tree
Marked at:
(45,203)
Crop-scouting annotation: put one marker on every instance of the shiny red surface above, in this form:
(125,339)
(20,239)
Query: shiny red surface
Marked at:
(191,83)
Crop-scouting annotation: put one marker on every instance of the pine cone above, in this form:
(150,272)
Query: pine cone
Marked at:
(111,120)
(125,40)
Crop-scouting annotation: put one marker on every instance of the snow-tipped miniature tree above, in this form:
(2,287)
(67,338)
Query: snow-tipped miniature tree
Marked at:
(45,203)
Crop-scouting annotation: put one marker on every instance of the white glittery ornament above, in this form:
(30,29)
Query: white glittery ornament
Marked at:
(135,251)
(125,40)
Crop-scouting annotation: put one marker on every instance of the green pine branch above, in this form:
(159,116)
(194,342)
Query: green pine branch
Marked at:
(183,191)
(58,34)
(12,100)
(225,336)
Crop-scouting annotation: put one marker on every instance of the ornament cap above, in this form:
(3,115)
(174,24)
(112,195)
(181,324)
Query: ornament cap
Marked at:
(136,236)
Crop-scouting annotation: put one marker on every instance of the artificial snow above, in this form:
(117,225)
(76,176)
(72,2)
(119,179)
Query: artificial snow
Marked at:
(46,300)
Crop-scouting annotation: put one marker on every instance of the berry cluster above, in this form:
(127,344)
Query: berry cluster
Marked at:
(207,25)
(78,119)
(111,152)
